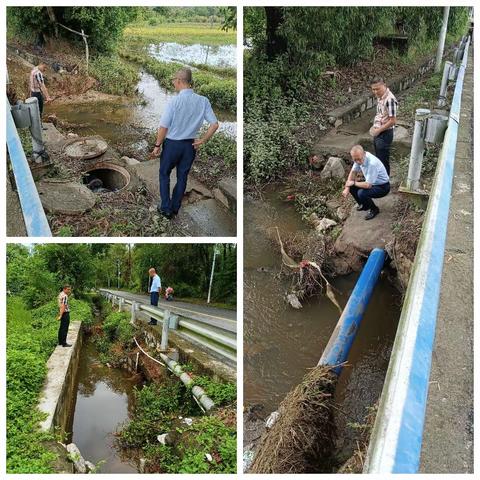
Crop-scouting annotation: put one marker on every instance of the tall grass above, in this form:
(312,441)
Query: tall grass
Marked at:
(114,76)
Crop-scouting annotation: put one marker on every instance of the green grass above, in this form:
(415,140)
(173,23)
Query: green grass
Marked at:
(31,339)
(114,76)
(184,33)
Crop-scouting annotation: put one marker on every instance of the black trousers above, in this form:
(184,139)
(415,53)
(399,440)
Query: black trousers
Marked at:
(63,329)
(382,143)
(39,97)
(363,196)
(154,301)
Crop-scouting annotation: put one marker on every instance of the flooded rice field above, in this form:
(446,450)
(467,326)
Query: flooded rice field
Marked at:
(281,343)
(212,55)
(104,402)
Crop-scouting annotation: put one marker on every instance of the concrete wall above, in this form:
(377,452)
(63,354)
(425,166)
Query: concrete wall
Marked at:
(59,389)
(347,113)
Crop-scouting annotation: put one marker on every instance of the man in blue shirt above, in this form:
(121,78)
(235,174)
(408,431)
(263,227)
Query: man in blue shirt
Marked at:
(376,184)
(155,287)
(182,119)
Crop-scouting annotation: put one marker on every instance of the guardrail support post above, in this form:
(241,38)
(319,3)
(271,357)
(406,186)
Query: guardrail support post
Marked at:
(166,320)
(38,146)
(442,98)
(418,146)
(132,311)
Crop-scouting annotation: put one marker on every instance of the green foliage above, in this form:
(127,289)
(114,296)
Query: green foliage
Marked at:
(31,338)
(118,335)
(103,25)
(221,393)
(221,145)
(114,75)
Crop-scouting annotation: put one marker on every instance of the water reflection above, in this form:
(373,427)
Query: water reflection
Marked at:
(214,55)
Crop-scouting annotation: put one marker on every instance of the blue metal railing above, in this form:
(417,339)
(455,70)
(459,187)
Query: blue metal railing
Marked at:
(396,439)
(35,220)
(338,347)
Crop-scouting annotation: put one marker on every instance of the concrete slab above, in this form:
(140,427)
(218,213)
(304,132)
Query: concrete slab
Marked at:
(55,396)
(362,235)
(15,223)
(448,432)
(69,198)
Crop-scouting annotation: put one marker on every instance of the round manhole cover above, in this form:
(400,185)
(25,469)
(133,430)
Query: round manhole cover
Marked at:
(68,198)
(106,178)
(85,147)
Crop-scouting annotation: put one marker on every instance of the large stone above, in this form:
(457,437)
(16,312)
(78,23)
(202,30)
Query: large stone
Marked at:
(324,224)
(69,198)
(76,458)
(335,168)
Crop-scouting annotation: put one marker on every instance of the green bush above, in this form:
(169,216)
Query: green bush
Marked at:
(114,76)
(31,339)
(117,326)
(221,393)
(221,145)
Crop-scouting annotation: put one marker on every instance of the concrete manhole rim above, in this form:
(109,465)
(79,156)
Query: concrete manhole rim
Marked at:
(111,166)
(70,142)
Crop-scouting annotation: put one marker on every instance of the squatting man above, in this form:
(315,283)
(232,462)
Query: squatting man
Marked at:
(180,123)
(375,185)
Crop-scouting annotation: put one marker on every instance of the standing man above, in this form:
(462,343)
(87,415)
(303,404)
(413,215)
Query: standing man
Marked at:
(179,126)
(376,184)
(37,86)
(64,315)
(384,122)
(155,288)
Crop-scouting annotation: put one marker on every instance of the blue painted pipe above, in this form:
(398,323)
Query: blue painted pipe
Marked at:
(35,220)
(338,347)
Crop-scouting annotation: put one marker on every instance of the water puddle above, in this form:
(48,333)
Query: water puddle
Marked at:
(104,402)
(213,55)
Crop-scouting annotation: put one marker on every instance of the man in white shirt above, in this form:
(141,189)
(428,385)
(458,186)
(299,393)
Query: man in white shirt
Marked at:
(155,288)
(376,184)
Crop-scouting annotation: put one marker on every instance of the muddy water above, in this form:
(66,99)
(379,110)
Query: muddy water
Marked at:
(214,55)
(104,402)
(281,343)
(127,123)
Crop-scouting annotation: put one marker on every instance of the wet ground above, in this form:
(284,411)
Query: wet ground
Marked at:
(281,343)
(104,402)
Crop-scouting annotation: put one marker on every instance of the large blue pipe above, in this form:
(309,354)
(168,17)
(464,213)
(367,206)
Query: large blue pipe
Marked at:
(338,347)
(35,220)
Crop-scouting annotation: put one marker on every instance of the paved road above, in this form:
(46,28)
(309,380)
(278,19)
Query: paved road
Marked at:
(215,313)
(448,434)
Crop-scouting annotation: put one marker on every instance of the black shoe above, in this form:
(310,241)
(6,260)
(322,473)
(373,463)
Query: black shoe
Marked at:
(66,345)
(372,214)
(164,214)
(361,208)
(151,323)
(175,212)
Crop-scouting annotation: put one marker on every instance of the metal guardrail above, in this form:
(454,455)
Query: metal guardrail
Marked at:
(396,440)
(35,220)
(217,334)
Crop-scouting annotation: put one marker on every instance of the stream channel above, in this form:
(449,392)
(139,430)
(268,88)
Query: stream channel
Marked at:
(281,343)
(131,122)
(104,401)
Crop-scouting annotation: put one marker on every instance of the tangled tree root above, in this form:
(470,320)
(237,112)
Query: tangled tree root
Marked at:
(302,438)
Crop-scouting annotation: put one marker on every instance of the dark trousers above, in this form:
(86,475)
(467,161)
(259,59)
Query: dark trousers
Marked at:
(154,301)
(382,143)
(177,154)
(363,196)
(39,97)
(63,329)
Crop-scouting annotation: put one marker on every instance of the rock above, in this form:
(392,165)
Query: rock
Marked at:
(324,224)
(220,196)
(335,168)
(333,204)
(272,418)
(313,219)
(76,458)
(341,214)
(91,468)
(71,135)
(141,465)
(294,301)
(248,456)
(332,120)
(400,133)
(63,197)
(129,160)
(209,458)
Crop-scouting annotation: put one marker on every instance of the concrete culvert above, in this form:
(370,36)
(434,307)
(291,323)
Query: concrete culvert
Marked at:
(105,178)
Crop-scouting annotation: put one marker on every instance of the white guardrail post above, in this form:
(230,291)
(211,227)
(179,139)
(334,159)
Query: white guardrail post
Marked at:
(396,440)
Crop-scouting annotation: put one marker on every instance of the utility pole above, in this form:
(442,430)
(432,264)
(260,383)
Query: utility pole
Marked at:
(441,39)
(118,273)
(211,275)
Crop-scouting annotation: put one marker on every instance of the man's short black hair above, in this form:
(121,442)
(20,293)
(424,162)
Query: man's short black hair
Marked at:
(377,80)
